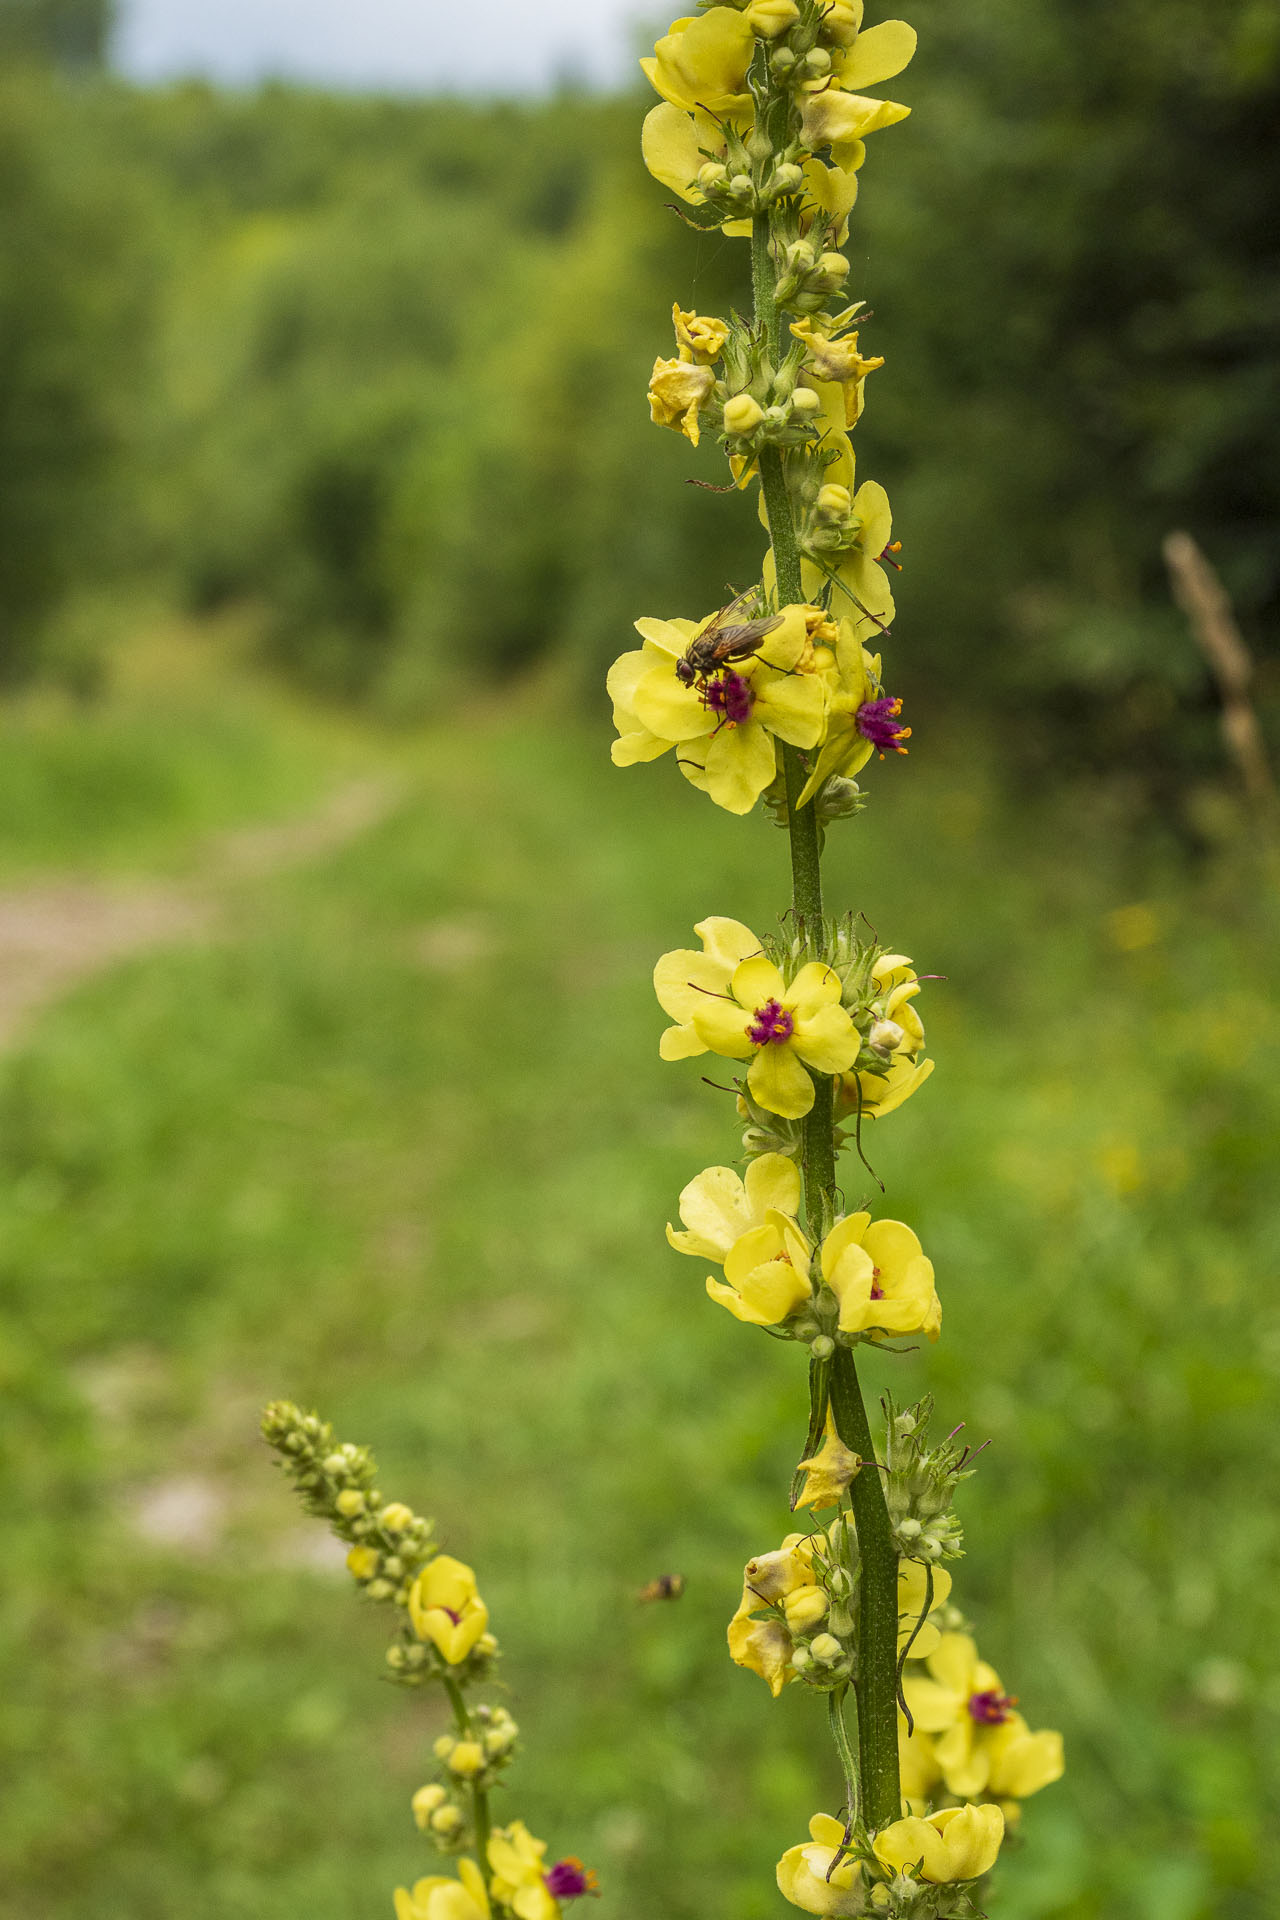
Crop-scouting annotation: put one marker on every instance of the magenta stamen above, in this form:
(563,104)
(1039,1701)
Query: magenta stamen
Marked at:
(730,696)
(771,1025)
(569,1880)
(877,722)
(991,1709)
(877,1291)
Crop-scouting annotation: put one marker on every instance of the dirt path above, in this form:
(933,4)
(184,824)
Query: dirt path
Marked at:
(58,932)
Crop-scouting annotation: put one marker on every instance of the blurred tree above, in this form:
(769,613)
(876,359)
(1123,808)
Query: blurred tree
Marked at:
(74,34)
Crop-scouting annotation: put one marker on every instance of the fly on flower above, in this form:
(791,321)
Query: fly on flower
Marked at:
(724,640)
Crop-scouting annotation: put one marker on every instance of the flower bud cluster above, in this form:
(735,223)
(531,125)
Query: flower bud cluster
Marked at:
(476,1758)
(920,1483)
(441,1818)
(808,276)
(389,1542)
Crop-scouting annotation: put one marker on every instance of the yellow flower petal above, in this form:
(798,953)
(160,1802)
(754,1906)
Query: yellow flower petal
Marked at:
(779,1083)
(741,762)
(877,55)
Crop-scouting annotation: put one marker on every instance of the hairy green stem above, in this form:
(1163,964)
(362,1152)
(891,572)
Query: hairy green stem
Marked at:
(878,1613)
(877,1690)
(479,1795)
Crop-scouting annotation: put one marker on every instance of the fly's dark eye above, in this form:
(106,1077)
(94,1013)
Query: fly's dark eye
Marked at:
(685,673)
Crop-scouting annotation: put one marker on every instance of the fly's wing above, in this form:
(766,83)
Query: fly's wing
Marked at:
(745,639)
(727,618)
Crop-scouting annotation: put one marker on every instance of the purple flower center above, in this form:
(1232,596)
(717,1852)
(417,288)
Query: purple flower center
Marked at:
(877,1291)
(878,723)
(771,1024)
(991,1709)
(730,696)
(569,1880)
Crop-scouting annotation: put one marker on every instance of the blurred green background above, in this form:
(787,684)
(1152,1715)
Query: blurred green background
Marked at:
(327,1060)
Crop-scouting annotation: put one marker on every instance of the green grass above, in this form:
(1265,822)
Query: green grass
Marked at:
(398,1144)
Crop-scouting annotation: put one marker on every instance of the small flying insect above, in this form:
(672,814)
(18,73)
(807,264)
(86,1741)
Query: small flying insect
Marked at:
(667,1586)
(725,640)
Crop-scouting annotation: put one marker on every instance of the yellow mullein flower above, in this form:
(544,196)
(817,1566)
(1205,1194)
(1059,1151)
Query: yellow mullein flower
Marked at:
(726,721)
(959,1843)
(833,356)
(842,122)
(783,1028)
(698,336)
(518,1864)
(364,1562)
(677,391)
(440,1898)
(702,61)
(446,1609)
(922,1636)
(809,1878)
(683,979)
(861,719)
(980,1743)
(720,1206)
(898,1028)
(880,1276)
(829,1472)
(766,1274)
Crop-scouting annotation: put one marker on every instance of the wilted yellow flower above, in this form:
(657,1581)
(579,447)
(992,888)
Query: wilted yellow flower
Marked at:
(842,121)
(831,356)
(699,336)
(829,1472)
(765,1646)
(446,1609)
(809,1878)
(880,1276)
(720,1206)
(959,1843)
(783,1028)
(677,390)
(518,1864)
(980,1744)
(766,1274)
(440,1898)
(702,62)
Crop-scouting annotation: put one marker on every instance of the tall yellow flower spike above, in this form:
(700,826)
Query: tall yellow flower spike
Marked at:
(786,696)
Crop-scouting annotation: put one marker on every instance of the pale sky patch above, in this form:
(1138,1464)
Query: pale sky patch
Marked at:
(406,46)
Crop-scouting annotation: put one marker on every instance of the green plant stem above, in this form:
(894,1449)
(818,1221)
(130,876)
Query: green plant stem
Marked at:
(479,1795)
(877,1692)
(877,1686)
